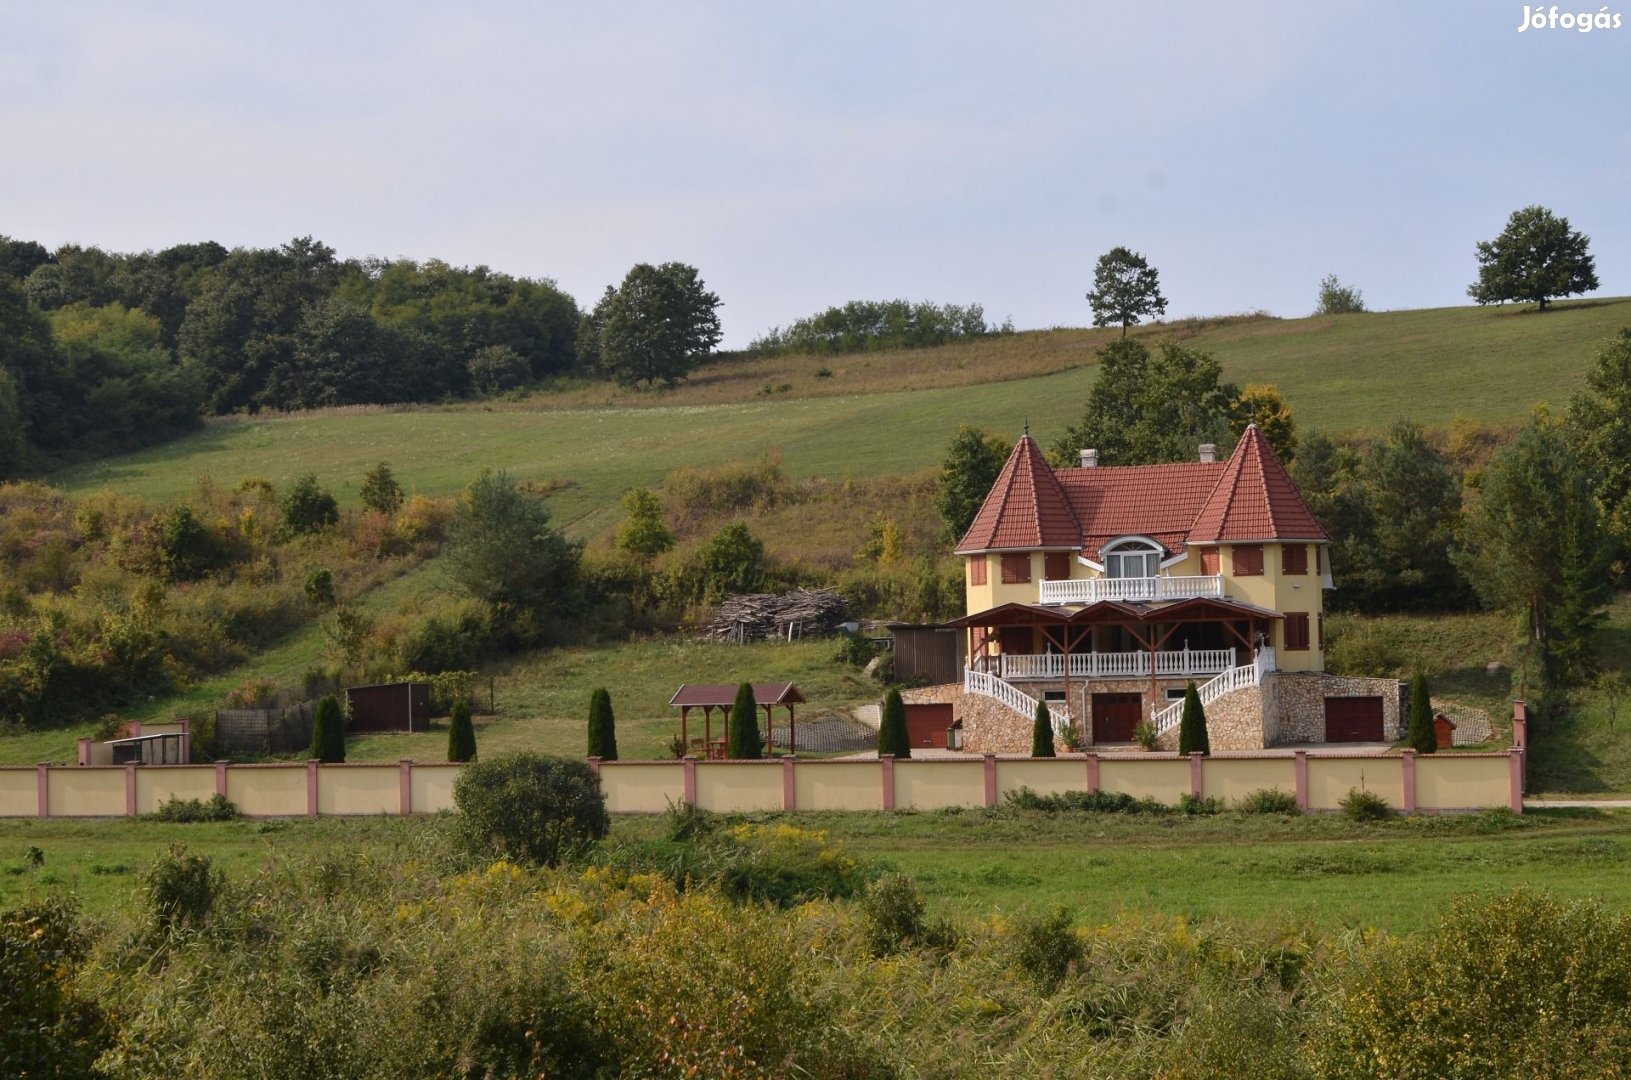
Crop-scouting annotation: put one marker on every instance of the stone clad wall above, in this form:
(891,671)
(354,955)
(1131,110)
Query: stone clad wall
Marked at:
(1233,722)
(1294,703)
(989,727)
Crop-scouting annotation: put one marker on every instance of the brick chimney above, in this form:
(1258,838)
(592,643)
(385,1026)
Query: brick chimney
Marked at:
(1090,459)
(1209,452)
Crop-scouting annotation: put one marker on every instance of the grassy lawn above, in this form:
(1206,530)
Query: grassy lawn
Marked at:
(1322,871)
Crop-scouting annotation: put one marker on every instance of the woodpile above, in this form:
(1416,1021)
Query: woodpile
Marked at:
(785,616)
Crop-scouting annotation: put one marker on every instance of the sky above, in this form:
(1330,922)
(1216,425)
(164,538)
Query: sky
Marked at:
(802,155)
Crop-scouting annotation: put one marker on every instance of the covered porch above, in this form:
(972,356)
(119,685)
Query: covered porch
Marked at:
(722,696)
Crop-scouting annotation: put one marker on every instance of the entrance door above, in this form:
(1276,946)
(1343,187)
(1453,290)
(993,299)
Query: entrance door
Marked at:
(1353,719)
(1115,716)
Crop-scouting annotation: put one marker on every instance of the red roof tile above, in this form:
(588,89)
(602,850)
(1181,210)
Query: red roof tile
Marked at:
(1255,499)
(1248,497)
(1026,508)
(724,694)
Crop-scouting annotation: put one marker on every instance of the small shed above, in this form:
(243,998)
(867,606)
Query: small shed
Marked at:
(169,748)
(403,706)
(927,653)
(722,696)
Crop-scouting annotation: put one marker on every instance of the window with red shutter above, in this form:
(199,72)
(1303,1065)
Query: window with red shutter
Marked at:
(1294,559)
(976,569)
(1248,559)
(1209,561)
(1056,566)
(1296,631)
(1016,569)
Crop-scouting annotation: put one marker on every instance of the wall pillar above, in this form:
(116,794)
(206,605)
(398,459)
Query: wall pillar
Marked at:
(1299,765)
(404,785)
(1520,738)
(130,789)
(789,785)
(1407,780)
(888,781)
(1515,763)
(311,788)
(84,752)
(990,763)
(1092,772)
(221,779)
(1197,783)
(688,793)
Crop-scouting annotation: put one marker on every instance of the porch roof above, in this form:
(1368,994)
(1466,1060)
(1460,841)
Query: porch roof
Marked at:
(723,695)
(1200,609)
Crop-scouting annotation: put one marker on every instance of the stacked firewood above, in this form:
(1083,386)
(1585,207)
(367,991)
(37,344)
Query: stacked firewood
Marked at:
(787,616)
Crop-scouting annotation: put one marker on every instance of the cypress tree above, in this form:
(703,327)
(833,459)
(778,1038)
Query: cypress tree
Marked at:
(1192,738)
(744,738)
(1421,736)
(602,726)
(328,732)
(892,737)
(461,734)
(1042,732)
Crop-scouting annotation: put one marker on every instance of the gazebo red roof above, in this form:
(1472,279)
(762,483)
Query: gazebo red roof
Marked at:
(1248,497)
(724,694)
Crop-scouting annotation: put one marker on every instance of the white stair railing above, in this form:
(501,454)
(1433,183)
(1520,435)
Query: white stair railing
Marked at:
(1236,678)
(978,682)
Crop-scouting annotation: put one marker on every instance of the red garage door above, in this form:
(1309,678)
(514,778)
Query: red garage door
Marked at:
(1353,719)
(926,725)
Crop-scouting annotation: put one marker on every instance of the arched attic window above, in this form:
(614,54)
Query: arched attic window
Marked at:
(1133,557)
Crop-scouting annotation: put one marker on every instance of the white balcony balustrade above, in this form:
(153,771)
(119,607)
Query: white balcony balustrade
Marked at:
(1091,590)
(1106,665)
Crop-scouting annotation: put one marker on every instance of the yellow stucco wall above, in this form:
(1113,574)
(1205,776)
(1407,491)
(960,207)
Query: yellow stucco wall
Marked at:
(739,786)
(156,784)
(1330,780)
(432,787)
(1162,779)
(359,789)
(1232,779)
(642,787)
(1461,782)
(1041,776)
(838,785)
(89,792)
(930,785)
(164,728)
(100,754)
(267,790)
(19,792)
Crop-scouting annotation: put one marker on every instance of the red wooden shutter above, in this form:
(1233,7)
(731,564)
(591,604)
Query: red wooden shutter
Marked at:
(1248,559)
(976,569)
(1016,569)
(1296,631)
(1056,566)
(1294,558)
(1209,561)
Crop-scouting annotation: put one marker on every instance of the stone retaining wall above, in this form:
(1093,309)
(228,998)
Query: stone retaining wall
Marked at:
(1294,704)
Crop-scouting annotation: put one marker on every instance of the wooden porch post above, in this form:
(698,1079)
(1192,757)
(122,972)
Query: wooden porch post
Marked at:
(792,730)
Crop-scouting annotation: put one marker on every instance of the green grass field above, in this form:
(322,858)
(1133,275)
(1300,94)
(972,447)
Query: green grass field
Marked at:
(1322,871)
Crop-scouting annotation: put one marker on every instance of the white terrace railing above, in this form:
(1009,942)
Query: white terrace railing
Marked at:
(978,682)
(1107,665)
(1089,590)
(1234,679)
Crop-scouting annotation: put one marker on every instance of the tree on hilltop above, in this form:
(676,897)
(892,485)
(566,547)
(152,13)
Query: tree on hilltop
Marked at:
(1126,290)
(658,326)
(1536,258)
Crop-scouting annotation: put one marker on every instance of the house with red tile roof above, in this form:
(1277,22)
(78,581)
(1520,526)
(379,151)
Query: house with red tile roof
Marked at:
(1105,591)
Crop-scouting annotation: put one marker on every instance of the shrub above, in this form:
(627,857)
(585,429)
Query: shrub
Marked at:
(529,807)
(216,808)
(46,1028)
(380,492)
(461,733)
(1270,801)
(733,561)
(1198,806)
(602,726)
(892,736)
(854,649)
(320,587)
(182,889)
(307,507)
(1192,737)
(1091,802)
(328,731)
(1360,805)
(779,864)
(892,913)
(1421,736)
(1144,735)
(1368,647)
(1045,947)
(1042,732)
(743,741)
(1338,299)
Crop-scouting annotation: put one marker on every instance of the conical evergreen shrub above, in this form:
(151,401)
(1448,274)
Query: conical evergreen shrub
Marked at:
(461,733)
(602,726)
(744,740)
(328,732)
(1192,738)
(892,738)
(1421,736)
(1042,732)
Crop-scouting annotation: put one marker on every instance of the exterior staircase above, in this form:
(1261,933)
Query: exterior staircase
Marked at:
(1235,678)
(978,682)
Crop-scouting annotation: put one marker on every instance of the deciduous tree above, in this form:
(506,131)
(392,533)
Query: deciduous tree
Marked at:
(380,492)
(1537,258)
(1126,290)
(644,532)
(659,325)
(502,550)
(1148,408)
(1600,423)
(1261,404)
(967,472)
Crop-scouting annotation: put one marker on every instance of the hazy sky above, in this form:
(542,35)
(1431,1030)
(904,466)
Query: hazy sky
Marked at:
(803,155)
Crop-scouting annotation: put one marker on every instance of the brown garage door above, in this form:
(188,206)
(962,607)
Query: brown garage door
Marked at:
(926,725)
(1115,716)
(1353,719)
